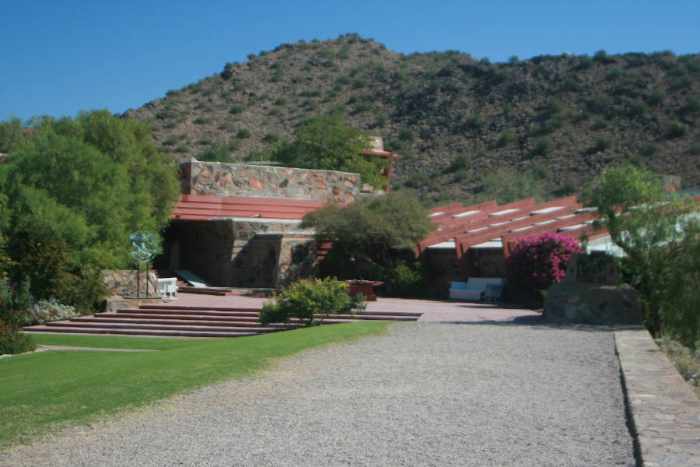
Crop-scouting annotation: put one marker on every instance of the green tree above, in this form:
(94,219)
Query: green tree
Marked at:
(649,226)
(11,135)
(328,143)
(366,233)
(75,189)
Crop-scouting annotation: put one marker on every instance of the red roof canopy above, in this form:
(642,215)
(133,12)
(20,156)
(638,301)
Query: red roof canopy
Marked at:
(204,207)
(472,225)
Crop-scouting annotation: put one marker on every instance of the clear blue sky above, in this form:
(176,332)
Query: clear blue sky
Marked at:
(58,57)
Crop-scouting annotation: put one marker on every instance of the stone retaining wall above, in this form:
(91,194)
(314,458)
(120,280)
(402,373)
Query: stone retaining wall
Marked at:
(663,407)
(222,179)
(122,282)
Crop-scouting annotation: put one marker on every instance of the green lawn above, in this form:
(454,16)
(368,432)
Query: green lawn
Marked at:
(45,390)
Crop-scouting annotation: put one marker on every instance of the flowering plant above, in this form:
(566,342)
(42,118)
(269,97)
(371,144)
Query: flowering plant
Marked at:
(538,261)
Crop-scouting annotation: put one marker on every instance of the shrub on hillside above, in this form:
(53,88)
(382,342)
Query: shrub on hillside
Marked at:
(538,261)
(308,297)
(506,185)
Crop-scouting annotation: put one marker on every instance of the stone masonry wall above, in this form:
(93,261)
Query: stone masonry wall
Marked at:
(262,253)
(221,179)
(122,282)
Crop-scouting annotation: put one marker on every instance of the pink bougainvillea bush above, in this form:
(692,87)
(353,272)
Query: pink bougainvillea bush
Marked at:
(538,261)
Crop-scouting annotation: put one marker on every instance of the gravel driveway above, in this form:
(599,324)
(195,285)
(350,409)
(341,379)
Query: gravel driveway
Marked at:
(424,394)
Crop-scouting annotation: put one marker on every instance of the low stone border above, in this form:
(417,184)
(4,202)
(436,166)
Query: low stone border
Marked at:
(664,411)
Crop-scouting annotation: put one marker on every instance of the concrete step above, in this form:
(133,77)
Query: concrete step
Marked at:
(156,311)
(133,332)
(223,311)
(157,327)
(253,315)
(204,290)
(167,318)
(198,308)
(233,325)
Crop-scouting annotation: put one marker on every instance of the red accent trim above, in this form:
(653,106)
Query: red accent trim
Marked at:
(207,207)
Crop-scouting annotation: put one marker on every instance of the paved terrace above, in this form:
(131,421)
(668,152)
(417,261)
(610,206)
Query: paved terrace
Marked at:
(432,310)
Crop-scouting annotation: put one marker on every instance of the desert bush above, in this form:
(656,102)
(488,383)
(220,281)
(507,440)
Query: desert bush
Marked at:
(243,133)
(227,72)
(538,261)
(505,138)
(692,106)
(506,185)
(676,130)
(600,144)
(215,153)
(694,149)
(308,297)
(541,148)
(405,280)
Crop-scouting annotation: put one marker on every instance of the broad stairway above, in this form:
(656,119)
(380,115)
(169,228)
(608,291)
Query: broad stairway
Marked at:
(194,321)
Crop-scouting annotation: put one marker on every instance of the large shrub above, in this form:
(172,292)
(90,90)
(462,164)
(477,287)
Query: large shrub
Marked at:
(405,279)
(73,190)
(538,261)
(308,297)
(367,235)
(15,303)
(649,226)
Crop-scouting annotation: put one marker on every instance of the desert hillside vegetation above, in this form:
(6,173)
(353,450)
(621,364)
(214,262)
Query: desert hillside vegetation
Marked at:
(454,119)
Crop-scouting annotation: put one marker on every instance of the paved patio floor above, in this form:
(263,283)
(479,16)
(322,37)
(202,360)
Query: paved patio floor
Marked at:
(433,310)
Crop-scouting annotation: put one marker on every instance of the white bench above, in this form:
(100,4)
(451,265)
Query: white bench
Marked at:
(477,289)
(167,287)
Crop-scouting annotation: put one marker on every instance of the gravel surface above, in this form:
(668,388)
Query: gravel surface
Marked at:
(424,394)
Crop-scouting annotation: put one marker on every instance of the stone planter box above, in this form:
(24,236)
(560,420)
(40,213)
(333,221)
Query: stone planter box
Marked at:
(365,288)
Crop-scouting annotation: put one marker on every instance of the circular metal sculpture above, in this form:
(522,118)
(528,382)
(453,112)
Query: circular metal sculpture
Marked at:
(144,247)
